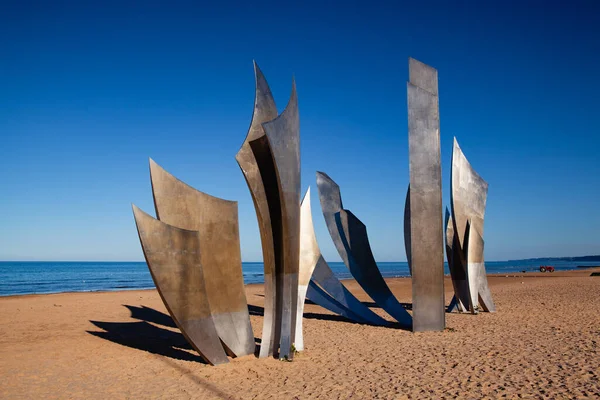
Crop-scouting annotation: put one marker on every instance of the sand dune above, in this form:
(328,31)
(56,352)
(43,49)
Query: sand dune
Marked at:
(542,343)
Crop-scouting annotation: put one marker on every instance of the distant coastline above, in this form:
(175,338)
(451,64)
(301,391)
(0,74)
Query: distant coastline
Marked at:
(580,258)
(27,277)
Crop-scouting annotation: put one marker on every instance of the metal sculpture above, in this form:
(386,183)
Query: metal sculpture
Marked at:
(349,235)
(468,195)
(216,221)
(458,271)
(255,161)
(173,257)
(283,134)
(318,283)
(320,297)
(309,256)
(465,230)
(270,161)
(426,255)
(407,242)
(324,278)
(475,263)
(193,250)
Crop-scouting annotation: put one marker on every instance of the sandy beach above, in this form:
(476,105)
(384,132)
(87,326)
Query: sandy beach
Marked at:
(542,343)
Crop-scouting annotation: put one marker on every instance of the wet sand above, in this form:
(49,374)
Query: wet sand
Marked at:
(542,343)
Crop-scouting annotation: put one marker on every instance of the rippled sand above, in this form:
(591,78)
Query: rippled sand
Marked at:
(542,343)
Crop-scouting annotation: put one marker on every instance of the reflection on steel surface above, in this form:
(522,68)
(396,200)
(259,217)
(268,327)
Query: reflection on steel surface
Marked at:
(475,263)
(468,199)
(468,195)
(283,135)
(216,221)
(472,272)
(426,243)
(309,255)
(173,257)
(457,267)
(270,161)
(323,276)
(349,235)
(407,243)
(255,161)
(323,287)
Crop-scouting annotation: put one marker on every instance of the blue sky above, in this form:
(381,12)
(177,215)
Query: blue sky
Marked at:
(89,92)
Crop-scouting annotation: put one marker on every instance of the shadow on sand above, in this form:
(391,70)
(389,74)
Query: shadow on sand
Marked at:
(259,311)
(143,335)
(370,304)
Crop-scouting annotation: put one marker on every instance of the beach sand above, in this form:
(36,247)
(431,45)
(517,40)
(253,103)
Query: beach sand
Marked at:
(542,343)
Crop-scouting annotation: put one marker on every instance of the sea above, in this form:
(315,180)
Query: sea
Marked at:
(19,277)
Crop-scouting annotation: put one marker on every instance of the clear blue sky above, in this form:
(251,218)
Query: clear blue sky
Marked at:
(89,92)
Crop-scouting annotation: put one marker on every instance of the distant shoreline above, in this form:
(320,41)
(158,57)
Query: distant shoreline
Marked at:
(592,258)
(570,259)
(561,274)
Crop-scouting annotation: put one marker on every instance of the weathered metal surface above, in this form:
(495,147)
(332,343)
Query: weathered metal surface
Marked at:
(476,264)
(472,276)
(364,268)
(468,201)
(320,297)
(309,256)
(407,244)
(331,204)
(426,229)
(350,238)
(468,195)
(256,162)
(283,135)
(216,221)
(457,267)
(270,160)
(173,257)
(324,277)
(332,295)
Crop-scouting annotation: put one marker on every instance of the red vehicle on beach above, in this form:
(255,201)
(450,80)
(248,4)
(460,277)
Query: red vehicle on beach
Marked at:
(546,268)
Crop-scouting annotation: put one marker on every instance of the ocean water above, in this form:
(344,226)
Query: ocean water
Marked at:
(18,278)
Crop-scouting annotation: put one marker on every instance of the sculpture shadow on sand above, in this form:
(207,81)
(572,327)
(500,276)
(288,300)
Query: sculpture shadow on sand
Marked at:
(259,312)
(145,335)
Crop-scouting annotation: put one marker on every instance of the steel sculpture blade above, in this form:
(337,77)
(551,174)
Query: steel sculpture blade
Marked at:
(350,238)
(216,221)
(314,271)
(173,257)
(468,195)
(472,275)
(320,297)
(476,263)
(324,277)
(364,268)
(426,230)
(309,256)
(468,200)
(283,135)
(453,306)
(407,243)
(457,267)
(270,161)
(256,162)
